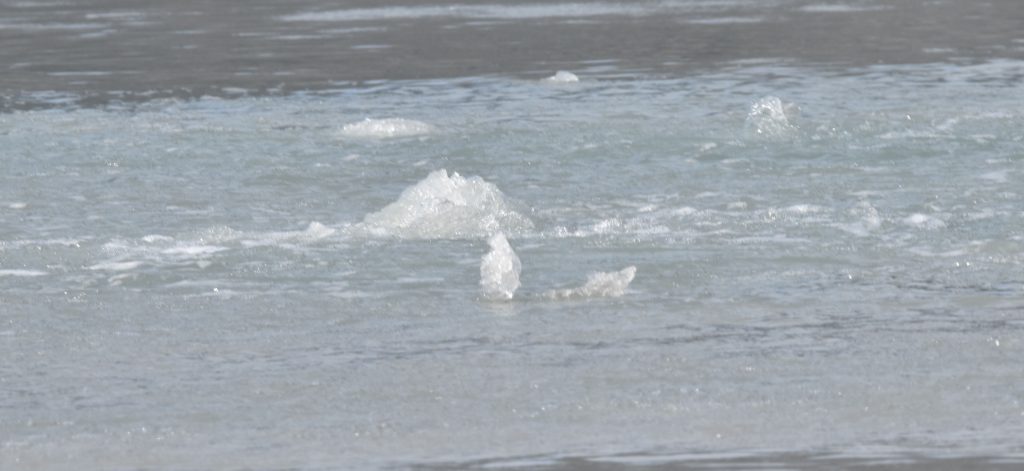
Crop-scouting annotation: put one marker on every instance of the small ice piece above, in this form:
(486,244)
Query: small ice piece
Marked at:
(563,76)
(771,117)
(386,128)
(599,284)
(499,270)
(18,205)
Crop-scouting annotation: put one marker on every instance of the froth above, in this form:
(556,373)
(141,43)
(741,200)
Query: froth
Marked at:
(386,128)
(499,270)
(445,207)
(599,284)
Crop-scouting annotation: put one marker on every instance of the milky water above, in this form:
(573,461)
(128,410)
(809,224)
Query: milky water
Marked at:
(768,262)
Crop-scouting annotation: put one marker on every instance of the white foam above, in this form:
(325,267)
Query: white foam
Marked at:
(499,270)
(386,128)
(771,117)
(599,284)
(563,76)
(445,207)
(24,273)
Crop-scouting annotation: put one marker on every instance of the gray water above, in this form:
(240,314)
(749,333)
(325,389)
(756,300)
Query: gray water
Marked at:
(205,264)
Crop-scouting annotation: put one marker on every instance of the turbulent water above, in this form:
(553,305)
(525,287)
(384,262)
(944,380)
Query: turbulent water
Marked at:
(765,263)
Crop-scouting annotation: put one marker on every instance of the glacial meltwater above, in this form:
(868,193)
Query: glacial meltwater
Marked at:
(776,262)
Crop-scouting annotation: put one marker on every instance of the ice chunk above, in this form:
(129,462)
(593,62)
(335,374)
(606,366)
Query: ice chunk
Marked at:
(499,270)
(600,284)
(386,128)
(445,207)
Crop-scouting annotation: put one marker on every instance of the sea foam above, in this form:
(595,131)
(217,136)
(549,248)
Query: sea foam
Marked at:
(386,128)
(443,206)
(499,270)
(599,284)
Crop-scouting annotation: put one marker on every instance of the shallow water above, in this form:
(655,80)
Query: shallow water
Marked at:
(827,270)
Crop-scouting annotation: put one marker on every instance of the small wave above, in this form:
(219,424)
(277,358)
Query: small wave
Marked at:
(314,232)
(499,270)
(386,128)
(599,284)
(445,207)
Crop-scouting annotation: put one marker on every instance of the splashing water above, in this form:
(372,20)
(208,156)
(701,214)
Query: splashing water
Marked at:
(445,207)
(386,128)
(772,118)
(599,284)
(499,270)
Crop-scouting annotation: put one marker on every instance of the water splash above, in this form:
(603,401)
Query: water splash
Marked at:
(445,207)
(499,270)
(386,128)
(599,284)
(772,118)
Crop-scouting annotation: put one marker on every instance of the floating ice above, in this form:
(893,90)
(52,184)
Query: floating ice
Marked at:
(600,284)
(563,77)
(771,117)
(386,128)
(499,270)
(445,207)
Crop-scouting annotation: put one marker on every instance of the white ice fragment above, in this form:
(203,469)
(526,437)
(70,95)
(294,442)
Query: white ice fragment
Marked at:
(563,76)
(386,128)
(445,207)
(772,118)
(499,270)
(18,205)
(600,284)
